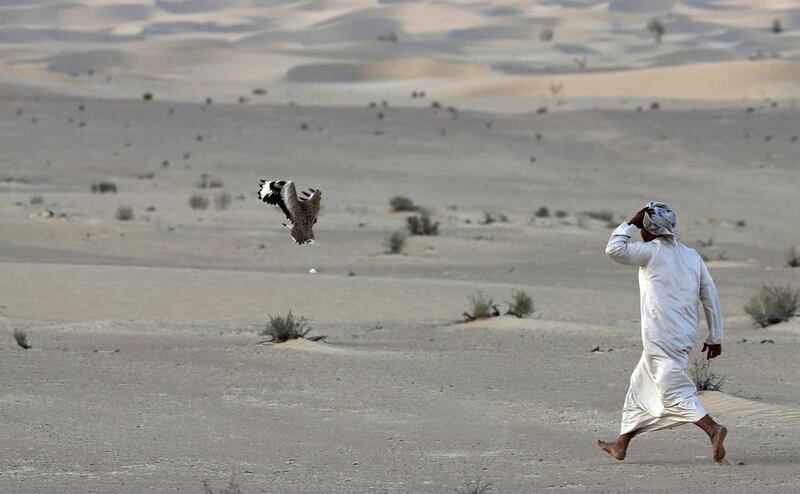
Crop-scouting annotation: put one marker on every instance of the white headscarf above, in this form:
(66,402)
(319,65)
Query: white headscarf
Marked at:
(660,220)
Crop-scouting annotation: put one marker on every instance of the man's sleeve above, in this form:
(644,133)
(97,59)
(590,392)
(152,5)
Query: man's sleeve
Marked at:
(710,301)
(623,251)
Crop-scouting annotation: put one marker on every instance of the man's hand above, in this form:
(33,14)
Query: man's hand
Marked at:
(713,350)
(638,219)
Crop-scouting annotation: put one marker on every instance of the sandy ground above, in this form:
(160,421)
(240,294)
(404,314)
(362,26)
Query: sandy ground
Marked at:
(146,372)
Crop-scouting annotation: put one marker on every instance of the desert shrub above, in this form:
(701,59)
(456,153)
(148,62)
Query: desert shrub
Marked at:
(542,212)
(395,242)
(657,29)
(773,304)
(793,259)
(474,487)
(561,214)
(421,224)
(222,201)
(36,200)
(603,215)
(489,218)
(209,182)
(259,91)
(198,201)
(481,307)
(104,187)
(22,338)
(147,96)
(521,304)
(282,329)
(777,28)
(231,488)
(546,35)
(124,213)
(703,378)
(401,204)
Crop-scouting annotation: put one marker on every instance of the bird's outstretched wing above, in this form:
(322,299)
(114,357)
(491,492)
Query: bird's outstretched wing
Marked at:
(271,193)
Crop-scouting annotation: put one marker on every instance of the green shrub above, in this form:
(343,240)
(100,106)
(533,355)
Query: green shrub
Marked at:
(773,304)
(282,329)
(542,212)
(421,224)
(521,304)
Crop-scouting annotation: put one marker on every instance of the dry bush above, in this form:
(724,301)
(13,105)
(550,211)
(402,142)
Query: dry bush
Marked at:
(474,487)
(22,338)
(773,304)
(603,215)
(521,304)
(36,200)
(542,212)
(703,378)
(124,213)
(481,307)
(231,488)
(222,201)
(421,224)
(395,242)
(282,329)
(209,182)
(147,96)
(104,187)
(546,35)
(657,29)
(793,259)
(402,204)
(489,218)
(198,201)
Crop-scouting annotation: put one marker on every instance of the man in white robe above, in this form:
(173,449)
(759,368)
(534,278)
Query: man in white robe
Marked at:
(673,283)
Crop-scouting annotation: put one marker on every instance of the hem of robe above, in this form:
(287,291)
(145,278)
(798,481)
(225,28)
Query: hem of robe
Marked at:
(638,420)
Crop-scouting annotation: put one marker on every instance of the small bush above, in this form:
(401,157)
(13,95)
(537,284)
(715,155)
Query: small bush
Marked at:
(222,201)
(231,488)
(657,29)
(421,224)
(793,259)
(603,215)
(773,304)
(402,204)
(546,35)
(36,200)
(703,378)
(481,307)
(395,242)
(521,304)
(147,96)
(542,212)
(489,218)
(22,338)
(287,328)
(124,213)
(561,214)
(474,487)
(209,182)
(198,201)
(104,187)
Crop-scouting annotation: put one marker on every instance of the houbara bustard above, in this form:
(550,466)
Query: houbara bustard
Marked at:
(300,211)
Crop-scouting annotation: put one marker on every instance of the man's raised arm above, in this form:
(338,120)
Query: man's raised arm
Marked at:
(622,250)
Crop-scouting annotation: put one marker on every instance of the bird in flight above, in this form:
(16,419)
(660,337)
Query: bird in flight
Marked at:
(300,211)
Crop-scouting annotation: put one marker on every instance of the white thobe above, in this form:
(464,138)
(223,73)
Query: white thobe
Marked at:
(673,283)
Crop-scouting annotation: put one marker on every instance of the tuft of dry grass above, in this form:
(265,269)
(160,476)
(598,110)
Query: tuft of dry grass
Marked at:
(22,339)
(703,378)
(198,201)
(104,187)
(124,213)
(521,304)
(481,307)
(231,488)
(773,304)
(281,329)
(477,486)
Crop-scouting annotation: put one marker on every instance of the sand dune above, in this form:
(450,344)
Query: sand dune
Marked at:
(727,406)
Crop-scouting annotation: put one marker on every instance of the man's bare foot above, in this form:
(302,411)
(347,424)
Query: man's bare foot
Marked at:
(614,449)
(717,443)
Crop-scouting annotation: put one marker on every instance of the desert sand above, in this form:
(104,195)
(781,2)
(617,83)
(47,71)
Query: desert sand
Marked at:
(147,372)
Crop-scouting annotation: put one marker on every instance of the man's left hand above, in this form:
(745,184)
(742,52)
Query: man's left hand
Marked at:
(713,350)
